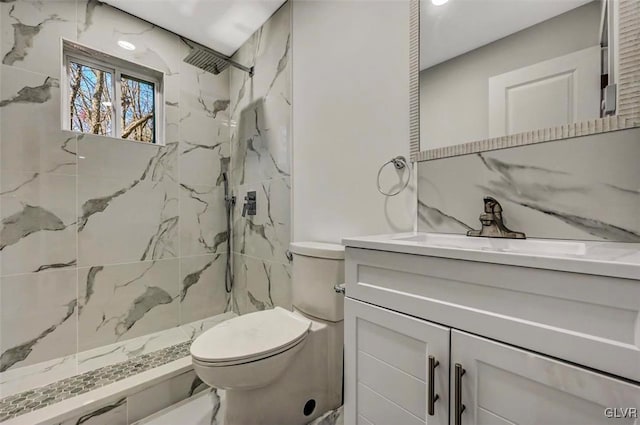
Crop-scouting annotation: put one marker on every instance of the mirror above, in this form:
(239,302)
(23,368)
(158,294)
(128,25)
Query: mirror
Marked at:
(496,68)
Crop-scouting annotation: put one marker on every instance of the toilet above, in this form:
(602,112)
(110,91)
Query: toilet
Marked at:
(279,366)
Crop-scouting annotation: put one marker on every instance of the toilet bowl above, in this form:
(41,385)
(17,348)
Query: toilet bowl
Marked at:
(257,349)
(279,366)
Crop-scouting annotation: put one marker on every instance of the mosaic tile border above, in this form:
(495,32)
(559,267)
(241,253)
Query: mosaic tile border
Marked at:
(28,401)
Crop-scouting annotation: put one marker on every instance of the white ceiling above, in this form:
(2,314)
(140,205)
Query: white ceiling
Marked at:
(460,26)
(223,25)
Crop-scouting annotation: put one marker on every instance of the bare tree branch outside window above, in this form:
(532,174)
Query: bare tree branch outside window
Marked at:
(91,103)
(91,93)
(138,107)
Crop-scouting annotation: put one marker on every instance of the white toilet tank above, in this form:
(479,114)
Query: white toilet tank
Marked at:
(317,267)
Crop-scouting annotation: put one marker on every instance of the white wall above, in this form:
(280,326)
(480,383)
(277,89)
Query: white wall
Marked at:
(351,114)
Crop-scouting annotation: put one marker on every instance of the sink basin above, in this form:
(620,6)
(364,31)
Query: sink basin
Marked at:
(522,246)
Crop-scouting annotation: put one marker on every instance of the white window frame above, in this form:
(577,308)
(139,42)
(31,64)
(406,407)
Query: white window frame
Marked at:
(117,67)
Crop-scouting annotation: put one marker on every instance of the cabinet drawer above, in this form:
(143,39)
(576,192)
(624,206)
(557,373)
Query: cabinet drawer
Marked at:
(586,319)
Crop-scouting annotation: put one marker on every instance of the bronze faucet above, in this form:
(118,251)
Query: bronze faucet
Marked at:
(493,224)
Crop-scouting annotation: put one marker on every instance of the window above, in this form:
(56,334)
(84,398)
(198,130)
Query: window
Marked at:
(111,97)
(138,109)
(91,99)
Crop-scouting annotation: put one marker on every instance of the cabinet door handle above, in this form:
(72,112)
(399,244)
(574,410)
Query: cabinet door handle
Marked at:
(433,397)
(459,407)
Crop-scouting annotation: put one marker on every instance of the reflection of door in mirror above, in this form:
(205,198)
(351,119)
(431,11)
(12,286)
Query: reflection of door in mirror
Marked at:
(547,94)
(491,68)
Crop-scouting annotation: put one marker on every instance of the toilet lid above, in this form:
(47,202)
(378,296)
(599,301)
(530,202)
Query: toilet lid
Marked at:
(253,335)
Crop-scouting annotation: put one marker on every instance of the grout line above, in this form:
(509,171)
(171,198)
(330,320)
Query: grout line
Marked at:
(77,213)
(179,181)
(77,241)
(261,259)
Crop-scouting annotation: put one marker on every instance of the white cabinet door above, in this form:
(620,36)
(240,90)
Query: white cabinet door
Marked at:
(387,368)
(547,94)
(505,385)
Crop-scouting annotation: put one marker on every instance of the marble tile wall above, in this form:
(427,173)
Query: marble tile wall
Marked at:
(582,188)
(104,240)
(260,113)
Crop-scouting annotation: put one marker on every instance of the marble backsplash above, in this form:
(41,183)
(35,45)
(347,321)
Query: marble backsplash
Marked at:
(582,188)
(104,240)
(260,113)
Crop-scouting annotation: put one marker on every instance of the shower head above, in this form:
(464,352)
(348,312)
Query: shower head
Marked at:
(211,61)
(206,61)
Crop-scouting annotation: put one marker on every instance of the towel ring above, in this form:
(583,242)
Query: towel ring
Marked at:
(400,163)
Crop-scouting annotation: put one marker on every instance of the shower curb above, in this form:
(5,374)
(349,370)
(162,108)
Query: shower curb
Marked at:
(62,399)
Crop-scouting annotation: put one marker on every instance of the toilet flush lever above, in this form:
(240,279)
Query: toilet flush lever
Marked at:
(341,288)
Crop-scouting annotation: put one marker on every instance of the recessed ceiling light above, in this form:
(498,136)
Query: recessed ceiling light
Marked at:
(439,2)
(129,46)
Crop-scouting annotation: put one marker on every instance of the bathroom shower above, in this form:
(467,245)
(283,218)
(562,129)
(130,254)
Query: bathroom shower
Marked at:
(211,61)
(86,225)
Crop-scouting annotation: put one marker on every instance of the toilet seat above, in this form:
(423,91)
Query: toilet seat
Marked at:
(250,338)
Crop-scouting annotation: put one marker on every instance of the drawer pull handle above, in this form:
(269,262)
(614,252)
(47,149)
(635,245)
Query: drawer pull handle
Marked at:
(459,407)
(433,397)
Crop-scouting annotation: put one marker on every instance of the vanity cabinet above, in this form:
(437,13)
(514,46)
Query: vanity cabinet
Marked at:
(403,370)
(511,344)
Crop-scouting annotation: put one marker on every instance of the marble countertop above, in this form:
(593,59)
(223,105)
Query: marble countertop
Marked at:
(615,259)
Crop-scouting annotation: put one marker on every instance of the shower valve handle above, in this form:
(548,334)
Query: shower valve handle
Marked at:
(250,204)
